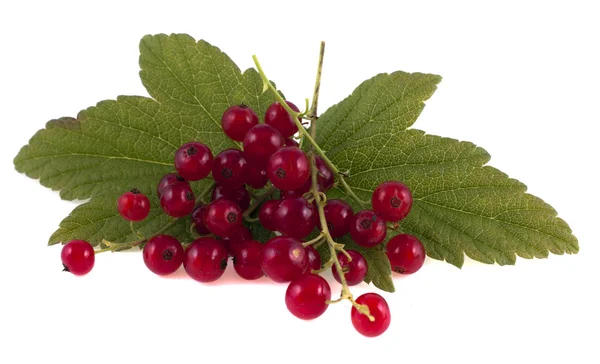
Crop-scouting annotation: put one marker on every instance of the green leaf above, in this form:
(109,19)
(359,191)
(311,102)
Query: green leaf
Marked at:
(461,206)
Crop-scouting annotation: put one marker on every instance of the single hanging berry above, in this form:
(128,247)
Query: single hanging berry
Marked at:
(237,120)
(166,180)
(256,176)
(307,296)
(205,259)
(193,161)
(77,257)
(261,142)
(267,216)
(339,217)
(325,178)
(178,200)
(229,169)
(223,218)
(288,168)
(355,271)
(163,254)
(296,217)
(406,253)
(239,196)
(392,201)
(283,259)
(280,119)
(198,219)
(378,308)
(246,260)
(133,205)
(367,229)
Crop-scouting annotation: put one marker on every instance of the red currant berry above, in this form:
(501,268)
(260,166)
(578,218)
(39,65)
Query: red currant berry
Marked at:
(78,257)
(406,253)
(163,254)
(378,308)
(283,259)
(299,192)
(230,168)
(246,260)
(314,259)
(168,179)
(261,142)
(205,259)
(239,196)
(237,120)
(296,217)
(355,271)
(288,168)
(198,220)
(232,244)
(307,296)
(178,199)
(256,176)
(280,119)
(325,177)
(223,218)
(392,201)
(339,217)
(193,161)
(367,229)
(133,205)
(290,142)
(266,215)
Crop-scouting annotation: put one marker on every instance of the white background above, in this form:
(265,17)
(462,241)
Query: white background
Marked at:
(520,79)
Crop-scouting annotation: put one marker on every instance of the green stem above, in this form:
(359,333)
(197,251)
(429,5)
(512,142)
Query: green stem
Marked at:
(259,200)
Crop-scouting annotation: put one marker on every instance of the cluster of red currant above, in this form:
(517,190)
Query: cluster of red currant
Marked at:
(269,155)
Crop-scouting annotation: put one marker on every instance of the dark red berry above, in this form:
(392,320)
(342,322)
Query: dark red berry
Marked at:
(283,259)
(167,179)
(280,119)
(314,259)
(355,271)
(205,259)
(223,218)
(406,253)
(288,168)
(246,260)
(325,178)
(261,142)
(266,215)
(163,254)
(237,120)
(239,196)
(256,176)
(232,243)
(392,201)
(299,192)
(339,217)
(296,217)
(193,161)
(306,297)
(198,220)
(230,168)
(378,308)
(178,199)
(133,205)
(367,229)
(77,257)
(290,142)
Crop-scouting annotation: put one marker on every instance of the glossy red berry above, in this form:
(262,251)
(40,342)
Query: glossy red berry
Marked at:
(77,257)
(266,215)
(367,229)
(355,271)
(193,161)
(239,196)
(339,217)
(314,259)
(325,178)
(205,259)
(392,201)
(246,260)
(198,219)
(133,205)
(306,297)
(256,176)
(299,192)
(163,254)
(280,119)
(406,253)
(261,142)
(178,199)
(378,308)
(223,218)
(296,217)
(288,168)
(290,142)
(230,168)
(232,243)
(283,259)
(237,120)
(168,179)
